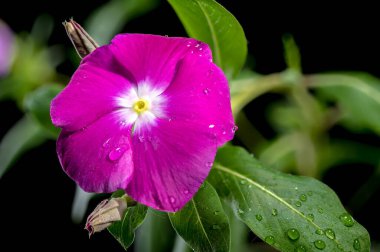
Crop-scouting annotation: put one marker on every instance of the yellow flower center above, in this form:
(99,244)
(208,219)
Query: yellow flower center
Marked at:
(141,105)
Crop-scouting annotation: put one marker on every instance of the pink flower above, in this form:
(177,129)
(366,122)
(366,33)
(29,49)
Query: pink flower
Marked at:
(6,48)
(144,114)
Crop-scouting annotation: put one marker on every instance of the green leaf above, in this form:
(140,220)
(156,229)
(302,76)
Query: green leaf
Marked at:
(124,230)
(272,204)
(110,18)
(155,234)
(357,95)
(202,223)
(37,104)
(208,21)
(24,135)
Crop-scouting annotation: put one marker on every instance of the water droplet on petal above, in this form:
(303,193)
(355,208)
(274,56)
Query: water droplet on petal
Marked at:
(300,248)
(116,153)
(211,126)
(224,132)
(209,164)
(234,129)
(270,240)
(215,227)
(259,217)
(347,220)
(319,232)
(356,244)
(107,143)
(298,203)
(330,233)
(293,234)
(303,197)
(274,212)
(171,199)
(310,217)
(186,192)
(319,244)
(206,91)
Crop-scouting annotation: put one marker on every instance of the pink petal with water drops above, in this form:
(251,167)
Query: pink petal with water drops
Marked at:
(90,94)
(199,94)
(99,157)
(171,162)
(153,58)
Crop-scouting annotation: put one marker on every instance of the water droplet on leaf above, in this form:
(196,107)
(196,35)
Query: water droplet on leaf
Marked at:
(259,217)
(274,212)
(330,233)
(319,232)
(298,203)
(310,217)
(347,220)
(319,244)
(241,211)
(243,182)
(300,248)
(310,193)
(269,239)
(215,227)
(216,212)
(356,244)
(116,153)
(303,197)
(293,234)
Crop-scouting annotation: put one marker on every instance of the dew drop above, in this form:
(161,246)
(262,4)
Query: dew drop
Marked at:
(319,232)
(298,203)
(243,182)
(209,164)
(296,188)
(310,217)
(224,132)
(330,233)
(211,126)
(186,192)
(320,210)
(319,244)
(303,197)
(171,199)
(259,217)
(310,193)
(269,239)
(293,234)
(116,153)
(340,247)
(274,212)
(107,143)
(215,227)
(356,244)
(347,220)
(206,91)
(250,209)
(300,248)
(234,129)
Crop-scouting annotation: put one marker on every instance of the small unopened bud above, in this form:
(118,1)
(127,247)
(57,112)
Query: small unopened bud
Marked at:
(82,42)
(107,212)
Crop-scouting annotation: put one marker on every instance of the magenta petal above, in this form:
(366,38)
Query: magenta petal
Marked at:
(171,161)
(199,94)
(98,158)
(90,94)
(153,58)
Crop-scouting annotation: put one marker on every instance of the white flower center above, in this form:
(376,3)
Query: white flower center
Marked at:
(140,106)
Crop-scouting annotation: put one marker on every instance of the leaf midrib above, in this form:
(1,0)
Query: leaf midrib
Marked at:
(272,194)
(213,35)
(201,223)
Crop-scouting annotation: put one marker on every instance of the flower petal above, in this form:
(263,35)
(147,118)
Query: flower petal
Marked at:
(172,159)
(152,58)
(98,158)
(92,92)
(199,93)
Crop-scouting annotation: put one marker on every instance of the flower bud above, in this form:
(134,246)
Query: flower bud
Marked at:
(107,212)
(83,43)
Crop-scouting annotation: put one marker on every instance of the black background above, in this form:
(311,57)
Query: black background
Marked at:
(36,195)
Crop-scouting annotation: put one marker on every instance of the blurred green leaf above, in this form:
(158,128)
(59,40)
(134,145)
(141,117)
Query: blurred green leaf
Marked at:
(110,18)
(37,103)
(286,211)
(124,230)
(202,223)
(291,53)
(24,135)
(357,95)
(155,234)
(208,21)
